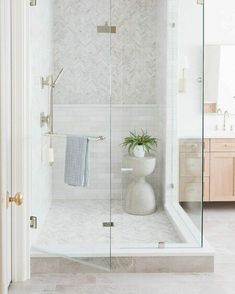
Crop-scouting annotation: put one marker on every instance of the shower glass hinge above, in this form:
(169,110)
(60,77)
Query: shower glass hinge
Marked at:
(33,2)
(106,29)
(161,244)
(33,222)
(200,2)
(108,224)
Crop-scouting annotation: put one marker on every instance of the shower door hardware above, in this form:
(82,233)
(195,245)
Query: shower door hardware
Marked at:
(33,2)
(200,2)
(106,29)
(161,245)
(44,119)
(108,224)
(33,222)
(126,169)
(17,199)
(199,80)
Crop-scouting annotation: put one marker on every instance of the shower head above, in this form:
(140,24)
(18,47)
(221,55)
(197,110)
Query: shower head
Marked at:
(58,76)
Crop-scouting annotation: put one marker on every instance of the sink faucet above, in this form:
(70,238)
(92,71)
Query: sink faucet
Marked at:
(226,114)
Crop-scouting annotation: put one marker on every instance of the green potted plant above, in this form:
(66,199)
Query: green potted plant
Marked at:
(139,144)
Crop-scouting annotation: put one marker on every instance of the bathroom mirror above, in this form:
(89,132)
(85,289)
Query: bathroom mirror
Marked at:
(220,78)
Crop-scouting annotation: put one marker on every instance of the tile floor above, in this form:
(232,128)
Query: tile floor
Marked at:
(81,227)
(220,231)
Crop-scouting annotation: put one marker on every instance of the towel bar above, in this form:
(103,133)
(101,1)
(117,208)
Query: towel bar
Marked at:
(92,138)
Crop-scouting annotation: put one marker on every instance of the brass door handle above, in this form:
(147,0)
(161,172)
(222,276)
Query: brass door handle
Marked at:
(18,199)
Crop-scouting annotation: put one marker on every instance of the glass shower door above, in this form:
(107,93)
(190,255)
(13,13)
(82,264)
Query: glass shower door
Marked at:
(73,218)
(157,68)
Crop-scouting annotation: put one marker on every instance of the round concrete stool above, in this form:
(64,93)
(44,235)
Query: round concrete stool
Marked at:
(140,198)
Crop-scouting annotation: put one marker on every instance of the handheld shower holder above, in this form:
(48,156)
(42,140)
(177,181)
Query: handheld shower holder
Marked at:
(46,81)
(44,119)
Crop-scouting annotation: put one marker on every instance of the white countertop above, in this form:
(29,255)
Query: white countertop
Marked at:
(220,134)
(212,135)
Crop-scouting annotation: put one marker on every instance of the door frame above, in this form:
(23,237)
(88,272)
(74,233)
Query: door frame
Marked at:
(21,145)
(5,84)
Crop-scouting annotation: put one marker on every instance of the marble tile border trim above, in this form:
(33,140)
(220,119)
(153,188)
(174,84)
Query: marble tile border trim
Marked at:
(124,264)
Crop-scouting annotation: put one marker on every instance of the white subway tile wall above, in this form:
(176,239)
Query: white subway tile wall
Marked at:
(94,120)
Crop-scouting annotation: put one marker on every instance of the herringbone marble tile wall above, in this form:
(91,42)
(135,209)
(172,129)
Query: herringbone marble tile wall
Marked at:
(135,51)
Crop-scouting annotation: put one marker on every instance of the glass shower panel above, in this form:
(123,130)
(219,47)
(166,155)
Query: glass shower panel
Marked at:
(157,74)
(73,216)
(193,162)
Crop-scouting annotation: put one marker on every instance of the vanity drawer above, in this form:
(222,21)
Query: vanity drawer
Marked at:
(190,145)
(222,145)
(190,189)
(191,164)
(194,145)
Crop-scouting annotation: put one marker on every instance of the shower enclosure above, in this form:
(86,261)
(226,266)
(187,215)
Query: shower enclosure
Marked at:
(129,66)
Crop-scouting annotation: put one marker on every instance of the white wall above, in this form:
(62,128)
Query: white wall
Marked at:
(41,65)
(220,22)
(219,30)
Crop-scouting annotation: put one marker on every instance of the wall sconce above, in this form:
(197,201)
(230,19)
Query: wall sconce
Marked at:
(182,80)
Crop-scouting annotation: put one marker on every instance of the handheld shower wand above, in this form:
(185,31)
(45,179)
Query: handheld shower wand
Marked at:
(57,78)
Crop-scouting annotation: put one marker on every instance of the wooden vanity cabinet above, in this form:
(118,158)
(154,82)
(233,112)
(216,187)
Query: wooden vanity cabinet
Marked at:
(219,170)
(222,170)
(190,171)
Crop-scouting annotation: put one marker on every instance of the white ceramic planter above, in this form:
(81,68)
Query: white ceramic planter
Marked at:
(139,151)
(139,197)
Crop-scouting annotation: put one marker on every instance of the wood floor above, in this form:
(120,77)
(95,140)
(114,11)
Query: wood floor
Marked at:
(219,227)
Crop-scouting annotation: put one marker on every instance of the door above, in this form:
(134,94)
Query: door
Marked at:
(6,137)
(222,176)
(73,219)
